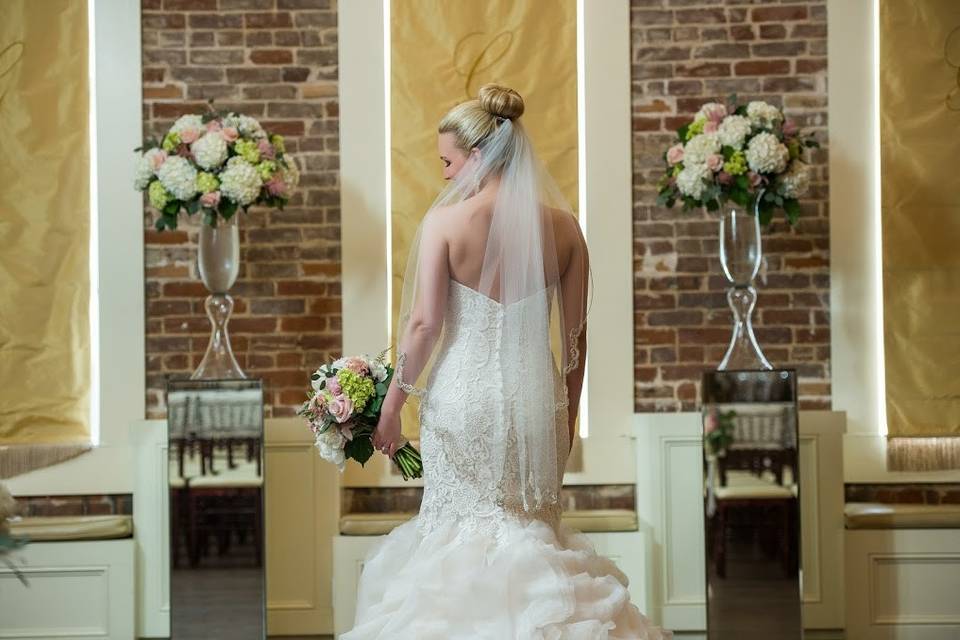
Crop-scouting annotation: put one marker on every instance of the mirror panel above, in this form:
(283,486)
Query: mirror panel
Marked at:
(217,569)
(751,505)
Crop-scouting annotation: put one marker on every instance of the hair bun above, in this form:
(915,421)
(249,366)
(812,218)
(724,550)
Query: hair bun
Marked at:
(501,101)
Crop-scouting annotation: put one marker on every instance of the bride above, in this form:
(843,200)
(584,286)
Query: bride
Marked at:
(496,284)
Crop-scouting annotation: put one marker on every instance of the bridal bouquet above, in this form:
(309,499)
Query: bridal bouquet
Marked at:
(343,408)
(9,542)
(215,163)
(738,153)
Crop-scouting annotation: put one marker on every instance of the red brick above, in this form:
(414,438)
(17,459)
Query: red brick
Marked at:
(778,14)
(268,20)
(271,56)
(761,67)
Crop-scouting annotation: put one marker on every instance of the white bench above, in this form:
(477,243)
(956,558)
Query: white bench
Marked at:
(80,571)
(902,571)
(614,533)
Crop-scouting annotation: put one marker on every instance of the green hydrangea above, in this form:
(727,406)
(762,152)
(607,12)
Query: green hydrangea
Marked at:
(159,197)
(207,182)
(266,169)
(357,387)
(248,150)
(677,169)
(696,128)
(277,142)
(171,141)
(736,165)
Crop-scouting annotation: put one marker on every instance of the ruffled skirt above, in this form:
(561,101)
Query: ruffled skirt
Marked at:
(527,583)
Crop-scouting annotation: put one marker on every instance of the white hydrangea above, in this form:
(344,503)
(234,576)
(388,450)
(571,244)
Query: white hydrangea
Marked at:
(691,179)
(179,177)
(187,122)
(763,114)
(700,147)
(240,181)
(210,150)
(147,167)
(795,182)
(290,173)
(733,132)
(330,443)
(247,126)
(766,154)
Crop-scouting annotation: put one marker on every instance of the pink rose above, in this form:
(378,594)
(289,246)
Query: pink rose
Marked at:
(724,178)
(333,385)
(210,200)
(357,365)
(756,179)
(715,162)
(214,125)
(276,186)
(341,408)
(790,128)
(675,154)
(715,112)
(229,133)
(267,150)
(711,126)
(190,135)
(157,158)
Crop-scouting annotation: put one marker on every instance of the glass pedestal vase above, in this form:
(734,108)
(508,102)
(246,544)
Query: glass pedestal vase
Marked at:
(740,257)
(218,260)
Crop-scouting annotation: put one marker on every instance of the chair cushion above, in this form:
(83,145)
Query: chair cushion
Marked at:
(587,520)
(873,515)
(64,528)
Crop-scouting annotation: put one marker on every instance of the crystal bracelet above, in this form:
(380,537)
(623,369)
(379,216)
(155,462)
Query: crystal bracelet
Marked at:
(409,388)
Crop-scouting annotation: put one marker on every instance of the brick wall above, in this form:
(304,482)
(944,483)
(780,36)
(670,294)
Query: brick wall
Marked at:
(685,53)
(275,60)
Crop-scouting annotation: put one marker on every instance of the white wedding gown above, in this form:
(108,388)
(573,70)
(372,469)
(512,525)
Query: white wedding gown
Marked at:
(472,565)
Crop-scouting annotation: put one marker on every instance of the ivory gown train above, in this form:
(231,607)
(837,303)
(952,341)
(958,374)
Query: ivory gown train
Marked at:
(472,565)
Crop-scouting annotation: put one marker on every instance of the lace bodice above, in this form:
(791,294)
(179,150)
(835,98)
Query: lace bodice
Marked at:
(458,420)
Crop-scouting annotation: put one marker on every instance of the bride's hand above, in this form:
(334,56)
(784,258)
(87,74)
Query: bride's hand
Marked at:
(386,437)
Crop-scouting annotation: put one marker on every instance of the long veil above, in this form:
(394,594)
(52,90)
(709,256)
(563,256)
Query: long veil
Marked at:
(535,265)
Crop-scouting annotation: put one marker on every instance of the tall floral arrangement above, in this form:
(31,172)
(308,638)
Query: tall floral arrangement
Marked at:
(738,153)
(215,164)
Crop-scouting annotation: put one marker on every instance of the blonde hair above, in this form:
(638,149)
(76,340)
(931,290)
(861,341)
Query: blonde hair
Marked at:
(471,122)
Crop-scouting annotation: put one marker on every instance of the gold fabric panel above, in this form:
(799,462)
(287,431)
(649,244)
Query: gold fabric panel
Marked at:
(441,52)
(920,199)
(44,234)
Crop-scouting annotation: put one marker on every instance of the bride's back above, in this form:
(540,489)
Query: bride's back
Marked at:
(466,225)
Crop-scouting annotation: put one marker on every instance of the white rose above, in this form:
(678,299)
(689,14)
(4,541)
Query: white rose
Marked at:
(179,177)
(766,154)
(700,147)
(210,150)
(733,132)
(690,181)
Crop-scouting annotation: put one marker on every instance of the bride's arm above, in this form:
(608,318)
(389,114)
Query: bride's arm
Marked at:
(426,317)
(574,285)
